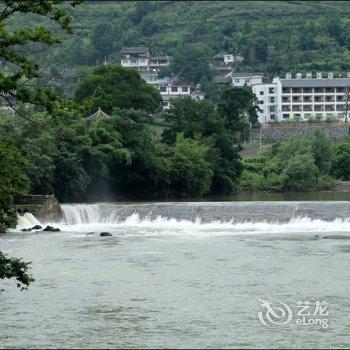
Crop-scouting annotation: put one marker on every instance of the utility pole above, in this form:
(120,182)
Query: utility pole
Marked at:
(347,105)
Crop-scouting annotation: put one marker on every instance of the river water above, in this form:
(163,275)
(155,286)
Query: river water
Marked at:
(176,283)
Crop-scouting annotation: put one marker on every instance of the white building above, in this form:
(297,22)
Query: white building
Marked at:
(249,79)
(135,57)
(303,97)
(174,89)
(148,66)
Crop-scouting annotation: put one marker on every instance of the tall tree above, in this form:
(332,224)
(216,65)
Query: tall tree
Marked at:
(113,86)
(19,69)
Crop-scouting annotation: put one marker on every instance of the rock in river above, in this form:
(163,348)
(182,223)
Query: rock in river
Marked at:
(105,234)
(51,229)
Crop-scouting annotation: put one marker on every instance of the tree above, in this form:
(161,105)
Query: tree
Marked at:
(102,38)
(20,68)
(193,174)
(322,148)
(12,182)
(112,86)
(300,174)
(201,120)
(341,162)
(239,106)
(14,82)
(191,63)
(15,268)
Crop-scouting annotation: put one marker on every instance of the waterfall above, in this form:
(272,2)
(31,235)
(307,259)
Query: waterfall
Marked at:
(74,214)
(80,213)
(206,212)
(27,220)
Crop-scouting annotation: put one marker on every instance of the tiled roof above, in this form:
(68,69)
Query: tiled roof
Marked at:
(335,82)
(99,114)
(139,49)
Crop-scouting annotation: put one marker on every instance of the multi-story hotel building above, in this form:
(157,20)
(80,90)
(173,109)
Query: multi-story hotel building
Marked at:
(303,97)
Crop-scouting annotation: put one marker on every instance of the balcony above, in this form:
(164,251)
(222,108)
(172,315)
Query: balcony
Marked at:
(307,98)
(329,98)
(307,108)
(296,108)
(318,90)
(329,108)
(318,108)
(318,99)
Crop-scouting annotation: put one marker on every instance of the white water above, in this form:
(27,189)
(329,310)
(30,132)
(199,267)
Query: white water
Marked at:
(27,220)
(95,218)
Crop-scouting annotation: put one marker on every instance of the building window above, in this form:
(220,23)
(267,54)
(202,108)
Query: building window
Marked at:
(272,99)
(261,102)
(184,89)
(271,90)
(330,89)
(261,93)
(285,116)
(307,108)
(286,90)
(307,98)
(296,98)
(236,80)
(285,108)
(318,99)
(174,89)
(318,108)
(272,117)
(296,108)
(162,89)
(272,108)
(307,115)
(307,90)
(318,90)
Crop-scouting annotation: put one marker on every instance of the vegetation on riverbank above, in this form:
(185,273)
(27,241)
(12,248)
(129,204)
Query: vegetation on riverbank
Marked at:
(299,163)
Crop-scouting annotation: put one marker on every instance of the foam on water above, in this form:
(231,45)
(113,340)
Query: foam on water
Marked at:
(161,225)
(27,220)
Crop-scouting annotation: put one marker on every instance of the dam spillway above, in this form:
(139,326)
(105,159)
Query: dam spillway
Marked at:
(236,212)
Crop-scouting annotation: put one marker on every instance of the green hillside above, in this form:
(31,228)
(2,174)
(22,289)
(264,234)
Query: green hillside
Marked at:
(273,36)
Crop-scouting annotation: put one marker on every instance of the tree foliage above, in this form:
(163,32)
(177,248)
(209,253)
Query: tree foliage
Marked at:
(113,86)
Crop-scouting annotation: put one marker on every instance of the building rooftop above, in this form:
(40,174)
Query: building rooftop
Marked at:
(222,80)
(135,49)
(334,82)
(99,114)
(159,58)
(243,75)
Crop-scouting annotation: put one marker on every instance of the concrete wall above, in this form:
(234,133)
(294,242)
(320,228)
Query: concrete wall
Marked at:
(276,133)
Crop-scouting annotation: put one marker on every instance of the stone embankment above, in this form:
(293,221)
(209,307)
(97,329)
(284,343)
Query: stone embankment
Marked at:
(45,208)
(277,133)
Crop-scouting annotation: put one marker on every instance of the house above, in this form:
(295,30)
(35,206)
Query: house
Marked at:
(135,57)
(249,79)
(149,66)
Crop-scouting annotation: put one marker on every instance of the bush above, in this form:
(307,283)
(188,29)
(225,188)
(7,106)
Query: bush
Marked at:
(300,174)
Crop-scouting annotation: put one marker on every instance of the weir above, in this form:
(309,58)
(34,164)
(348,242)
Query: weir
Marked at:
(280,212)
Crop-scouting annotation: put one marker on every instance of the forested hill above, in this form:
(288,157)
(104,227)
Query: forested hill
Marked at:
(272,36)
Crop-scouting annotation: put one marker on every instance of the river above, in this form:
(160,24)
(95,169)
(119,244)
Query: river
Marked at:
(166,282)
